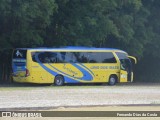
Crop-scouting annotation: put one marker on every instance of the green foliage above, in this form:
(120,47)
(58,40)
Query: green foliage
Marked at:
(23,22)
(131,25)
(153,47)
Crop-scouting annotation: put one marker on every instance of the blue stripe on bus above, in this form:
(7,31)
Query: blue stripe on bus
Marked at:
(86,68)
(86,75)
(67,79)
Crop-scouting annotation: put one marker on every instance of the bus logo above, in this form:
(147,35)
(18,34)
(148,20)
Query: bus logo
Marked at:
(19,54)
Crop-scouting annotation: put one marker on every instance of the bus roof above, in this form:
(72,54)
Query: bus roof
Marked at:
(72,48)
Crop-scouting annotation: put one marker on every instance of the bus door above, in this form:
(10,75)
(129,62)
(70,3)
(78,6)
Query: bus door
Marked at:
(133,61)
(19,63)
(126,70)
(126,73)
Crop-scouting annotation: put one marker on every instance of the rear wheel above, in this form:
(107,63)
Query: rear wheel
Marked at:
(59,80)
(112,80)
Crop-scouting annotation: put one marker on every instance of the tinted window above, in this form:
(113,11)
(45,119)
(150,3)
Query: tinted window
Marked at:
(121,55)
(82,57)
(44,57)
(73,57)
(95,57)
(19,54)
(108,57)
(69,57)
(102,57)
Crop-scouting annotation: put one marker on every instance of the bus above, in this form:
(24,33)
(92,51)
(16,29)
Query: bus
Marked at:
(71,65)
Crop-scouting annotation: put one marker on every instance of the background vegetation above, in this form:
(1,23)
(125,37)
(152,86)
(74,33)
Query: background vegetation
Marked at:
(131,25)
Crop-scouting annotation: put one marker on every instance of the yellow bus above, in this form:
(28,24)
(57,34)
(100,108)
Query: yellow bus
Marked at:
(71,65)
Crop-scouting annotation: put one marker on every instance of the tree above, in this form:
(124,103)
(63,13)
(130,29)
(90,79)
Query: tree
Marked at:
(105,23)
(23,22)
(153,47)
(123,24)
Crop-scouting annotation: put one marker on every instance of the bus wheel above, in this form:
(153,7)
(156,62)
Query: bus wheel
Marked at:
(59,80)
(112,80)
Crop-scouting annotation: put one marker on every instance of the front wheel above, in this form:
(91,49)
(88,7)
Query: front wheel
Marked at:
(112,80)
(59,80)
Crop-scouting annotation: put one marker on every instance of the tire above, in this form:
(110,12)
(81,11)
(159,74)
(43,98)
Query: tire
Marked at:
(59,80)
(112,80)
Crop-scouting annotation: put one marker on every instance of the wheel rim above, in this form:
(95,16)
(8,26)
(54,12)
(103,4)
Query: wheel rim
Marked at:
(59,81)
(112,80)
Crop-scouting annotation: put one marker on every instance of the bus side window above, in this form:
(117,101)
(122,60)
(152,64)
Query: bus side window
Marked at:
(53,57)
(94,57)
(108,57)
(83,57)
(46,60)
(34,55)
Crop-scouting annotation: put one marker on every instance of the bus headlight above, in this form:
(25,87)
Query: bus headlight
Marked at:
(123,76)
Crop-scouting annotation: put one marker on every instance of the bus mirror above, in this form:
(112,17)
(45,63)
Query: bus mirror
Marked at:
(135,60)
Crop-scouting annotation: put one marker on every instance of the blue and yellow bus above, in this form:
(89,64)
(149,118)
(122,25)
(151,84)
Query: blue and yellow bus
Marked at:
(71,65)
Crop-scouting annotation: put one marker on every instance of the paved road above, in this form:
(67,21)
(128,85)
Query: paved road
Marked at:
(97,95)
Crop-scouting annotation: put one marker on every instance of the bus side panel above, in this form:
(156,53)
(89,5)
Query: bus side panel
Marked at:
(86,73)
(39,75)
(36,73)
(103,71)
(73,73)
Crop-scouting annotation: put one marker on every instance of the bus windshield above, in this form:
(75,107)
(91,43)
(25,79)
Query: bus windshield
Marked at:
(125,61)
